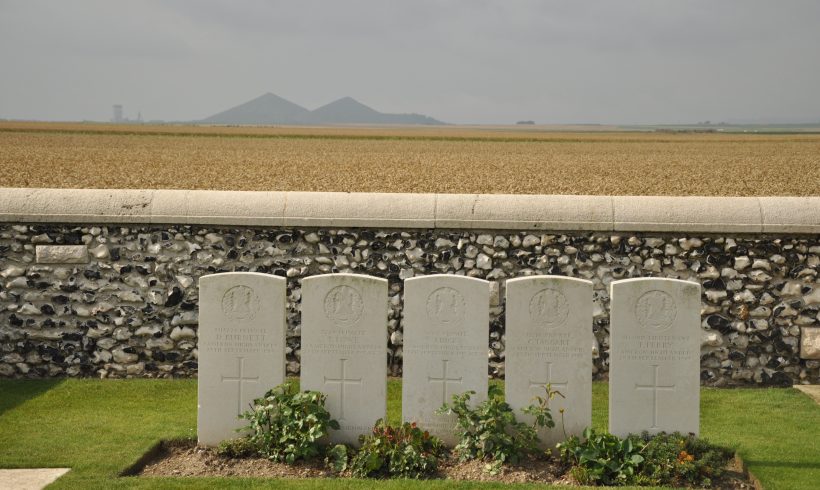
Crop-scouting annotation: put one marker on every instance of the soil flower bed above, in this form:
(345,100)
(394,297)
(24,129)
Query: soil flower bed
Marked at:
(183,458)
(286,429)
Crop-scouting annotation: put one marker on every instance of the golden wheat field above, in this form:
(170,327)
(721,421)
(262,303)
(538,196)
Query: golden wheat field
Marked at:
(447,159)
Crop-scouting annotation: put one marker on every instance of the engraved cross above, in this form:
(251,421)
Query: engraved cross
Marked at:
(655,387)
(444,380)
(239,380)
(342,381)
(549,381)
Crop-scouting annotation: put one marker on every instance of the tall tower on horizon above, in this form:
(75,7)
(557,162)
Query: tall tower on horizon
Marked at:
(117,113)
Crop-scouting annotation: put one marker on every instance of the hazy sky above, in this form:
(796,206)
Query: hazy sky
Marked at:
(466,61)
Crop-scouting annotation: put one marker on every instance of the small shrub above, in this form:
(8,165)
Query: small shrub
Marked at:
(404,451)
(491,432)
(285,425)
(236,448)
(676,459)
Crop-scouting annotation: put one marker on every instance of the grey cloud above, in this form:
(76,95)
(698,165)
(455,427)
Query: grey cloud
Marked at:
(459,61)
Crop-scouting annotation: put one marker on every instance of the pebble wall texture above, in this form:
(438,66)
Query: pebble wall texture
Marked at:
(128,306)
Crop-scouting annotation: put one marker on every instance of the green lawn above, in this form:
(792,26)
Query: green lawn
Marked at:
(98,428)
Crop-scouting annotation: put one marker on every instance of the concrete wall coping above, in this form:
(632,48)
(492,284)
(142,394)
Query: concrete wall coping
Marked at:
(448,211)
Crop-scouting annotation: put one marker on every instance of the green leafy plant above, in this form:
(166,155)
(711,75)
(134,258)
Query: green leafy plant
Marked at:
(662,459)
(337,457)
(601,458)
(403,451)
(285,425)
(540,409)
(491,432)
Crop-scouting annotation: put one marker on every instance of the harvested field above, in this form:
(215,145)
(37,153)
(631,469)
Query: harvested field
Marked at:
(447,159)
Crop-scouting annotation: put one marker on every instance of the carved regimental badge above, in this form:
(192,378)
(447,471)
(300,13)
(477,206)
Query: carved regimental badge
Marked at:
(655,310)
(240,303)
(445,308)
(549,308)
(343,305)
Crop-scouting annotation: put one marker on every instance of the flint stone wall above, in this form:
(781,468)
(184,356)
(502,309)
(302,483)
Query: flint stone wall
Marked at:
(123,301)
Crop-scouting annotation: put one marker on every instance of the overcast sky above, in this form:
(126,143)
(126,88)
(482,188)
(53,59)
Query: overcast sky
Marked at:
(466,61)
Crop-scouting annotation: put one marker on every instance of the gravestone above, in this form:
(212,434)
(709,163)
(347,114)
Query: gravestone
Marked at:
(241,349)
(446,333)
(549,340)
(344,349)
(654,373)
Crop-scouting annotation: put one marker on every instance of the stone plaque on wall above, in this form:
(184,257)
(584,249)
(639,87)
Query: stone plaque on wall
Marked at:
(61,254)
(344,349)
(549,340)
(810,342)
(241,348)
(654,374)
(446,332)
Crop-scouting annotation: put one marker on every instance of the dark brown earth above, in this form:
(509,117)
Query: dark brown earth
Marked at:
(185,458)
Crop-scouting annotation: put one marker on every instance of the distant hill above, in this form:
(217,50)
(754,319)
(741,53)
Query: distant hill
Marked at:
(348,110)
(272,109)
(265,109)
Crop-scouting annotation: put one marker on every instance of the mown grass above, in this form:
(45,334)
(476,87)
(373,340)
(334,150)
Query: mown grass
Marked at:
(99,428)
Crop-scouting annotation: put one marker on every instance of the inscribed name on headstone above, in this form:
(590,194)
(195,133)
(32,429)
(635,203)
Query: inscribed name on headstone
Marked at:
(549,340)
(241,348)
(654,357)
(344,349)
(446,332)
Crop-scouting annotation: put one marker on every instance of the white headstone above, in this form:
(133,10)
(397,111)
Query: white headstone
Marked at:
(654,357)
(344,349)
(446,333)
(549,340)
(241,348)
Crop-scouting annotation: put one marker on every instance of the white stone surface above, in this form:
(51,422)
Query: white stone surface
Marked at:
(548,339)
(686,213)
(505,211)
(241,348)
(250,208)
(61,254)
(344,349)
(790,214)
(543,212)
(463,211)
(810,342)
(30,478)
(454,210)
(75,205)
(446,335)
(394,210)
(654,373)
